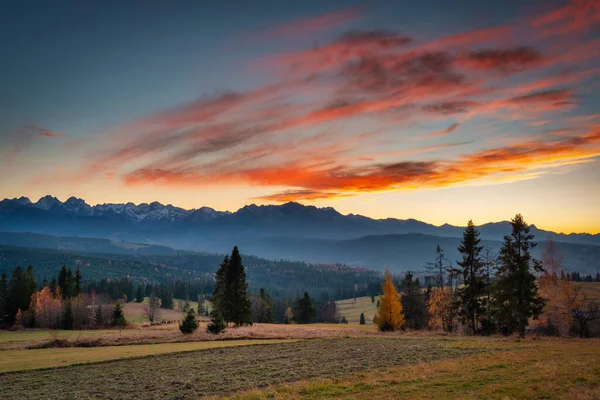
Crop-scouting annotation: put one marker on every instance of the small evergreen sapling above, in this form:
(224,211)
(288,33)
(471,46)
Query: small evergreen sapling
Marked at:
(118,316)
(362,318)
(217,324)
(189,324)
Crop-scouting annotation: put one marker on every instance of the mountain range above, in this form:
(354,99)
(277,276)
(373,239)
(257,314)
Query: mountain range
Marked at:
(291,231)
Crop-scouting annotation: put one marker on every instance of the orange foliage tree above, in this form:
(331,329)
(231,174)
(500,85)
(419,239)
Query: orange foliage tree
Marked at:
(47,308)
(389,315)
(440,308)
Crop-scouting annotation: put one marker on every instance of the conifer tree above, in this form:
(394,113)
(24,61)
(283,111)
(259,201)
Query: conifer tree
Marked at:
(3,300)
(118,318)
(77,283)
(413,302)
(266,310)
(217,324)
(362,318)
(189,324)
(53,285)
(472,293)
(303,311)
(67,317)
(139,295)
(389,316)
(18,294)
(219,300)
(516,293)
(239,306)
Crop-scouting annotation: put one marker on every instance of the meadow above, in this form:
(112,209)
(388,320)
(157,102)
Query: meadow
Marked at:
(297,361)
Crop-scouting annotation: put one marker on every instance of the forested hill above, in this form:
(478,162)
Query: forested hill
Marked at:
(281,278)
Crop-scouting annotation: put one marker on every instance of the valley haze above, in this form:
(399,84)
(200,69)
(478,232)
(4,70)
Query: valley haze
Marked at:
(289,231)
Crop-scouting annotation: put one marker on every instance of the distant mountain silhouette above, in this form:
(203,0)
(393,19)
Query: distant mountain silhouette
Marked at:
(290,230)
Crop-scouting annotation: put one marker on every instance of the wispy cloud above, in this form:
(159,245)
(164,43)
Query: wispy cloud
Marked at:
(334,121)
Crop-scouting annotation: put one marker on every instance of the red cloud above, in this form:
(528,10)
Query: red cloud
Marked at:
(505,60)
(263,136)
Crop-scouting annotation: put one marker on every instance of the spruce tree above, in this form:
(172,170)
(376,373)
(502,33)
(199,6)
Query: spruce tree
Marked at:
(472,293)
(413,302)
(304,312)
(139,295)
(118,318)
(67,317)
(77,283)
(53,285)
(3,300)
(189,324)
(516,294)
(219,301)
(238,307)
(362,318)
(217,324)
(19,294)
(266,312)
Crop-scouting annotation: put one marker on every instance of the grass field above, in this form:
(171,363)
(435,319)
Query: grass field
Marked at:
(590,289)
(136,312)
(22,360)
(351,309)
(341,361)
(224,370)
(546,369)
(398,366)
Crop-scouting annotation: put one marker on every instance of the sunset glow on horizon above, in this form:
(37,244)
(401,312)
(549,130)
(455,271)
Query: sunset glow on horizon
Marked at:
(387,111)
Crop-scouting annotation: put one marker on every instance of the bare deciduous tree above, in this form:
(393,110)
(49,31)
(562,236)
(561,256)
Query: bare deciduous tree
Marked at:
(152,306)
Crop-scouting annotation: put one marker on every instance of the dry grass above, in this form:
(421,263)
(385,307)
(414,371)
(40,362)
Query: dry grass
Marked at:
(590,289)
(547,369)
(136,312)
(23,360)
(171,334)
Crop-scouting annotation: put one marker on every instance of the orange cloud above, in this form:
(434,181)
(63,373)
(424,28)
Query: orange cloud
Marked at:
(267,136)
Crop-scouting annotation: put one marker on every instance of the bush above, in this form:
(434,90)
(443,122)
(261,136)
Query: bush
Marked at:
(189,324)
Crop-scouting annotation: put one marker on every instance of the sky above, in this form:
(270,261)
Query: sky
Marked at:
(437,110)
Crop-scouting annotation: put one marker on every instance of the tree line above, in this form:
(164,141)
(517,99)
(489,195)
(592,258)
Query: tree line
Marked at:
(58,303)
(483,294)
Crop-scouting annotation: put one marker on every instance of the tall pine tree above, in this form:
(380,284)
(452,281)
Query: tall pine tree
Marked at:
(413,302)
(219,301)
(240,307)
(303,311)
(472,293)
(230,296)
(516,294)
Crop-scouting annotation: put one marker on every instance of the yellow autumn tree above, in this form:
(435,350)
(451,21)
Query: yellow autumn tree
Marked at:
(47,308)
(440,309)
(389,315)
